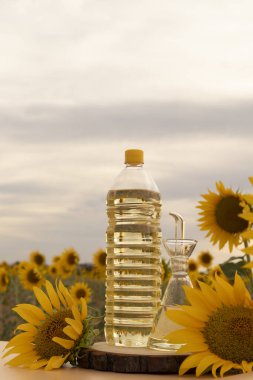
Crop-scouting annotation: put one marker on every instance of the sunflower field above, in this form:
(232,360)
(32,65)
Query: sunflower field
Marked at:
(17,281)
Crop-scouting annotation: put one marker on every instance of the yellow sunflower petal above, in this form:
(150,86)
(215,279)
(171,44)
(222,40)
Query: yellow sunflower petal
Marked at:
(69,299)
(34,309)
(20,339)
(195,312)
(248,198)
(39,364)
(209,294)
(43,300)
(180,317)
(21,360)
(62,299)
(76,313)
(220,187)
(21,349)
(206,362)
(185,336)
(27,327)
(224,291)
(27,316)
(77,325)
(240,291)
(226,367)
(247,367)
(196,298)
(248,250)
(215,366)
(191,362)
(192,347)
(62,288)
(247,235)
(70,332)
(248,216)
(53,295)
(83,309)
(248,266)
(68,344)
(56,362)
(66,294)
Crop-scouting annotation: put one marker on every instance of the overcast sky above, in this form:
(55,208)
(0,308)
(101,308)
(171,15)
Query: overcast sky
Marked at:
(81,81)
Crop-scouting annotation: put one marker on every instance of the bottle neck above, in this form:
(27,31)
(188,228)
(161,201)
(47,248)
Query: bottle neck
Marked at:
(134,177)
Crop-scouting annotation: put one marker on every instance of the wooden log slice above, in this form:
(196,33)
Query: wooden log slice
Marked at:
(103,357)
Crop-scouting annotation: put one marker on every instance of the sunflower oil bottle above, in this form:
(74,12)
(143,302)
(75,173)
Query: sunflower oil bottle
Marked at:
(133,255)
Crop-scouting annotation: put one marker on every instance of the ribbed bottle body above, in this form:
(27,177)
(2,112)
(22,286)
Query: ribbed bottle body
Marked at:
(133,265)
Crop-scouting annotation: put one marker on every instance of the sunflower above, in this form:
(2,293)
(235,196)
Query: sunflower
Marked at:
(23,265)
(53,270)
(4,280)
(205,259)
(14,269)
(220,216)
(4,264)
(30,276)
(247,214)
(64,271)
(55,259)
(69,258)
(37,258)
(192,265)
(218,328)
(99,259)
(80,290)
(49,335)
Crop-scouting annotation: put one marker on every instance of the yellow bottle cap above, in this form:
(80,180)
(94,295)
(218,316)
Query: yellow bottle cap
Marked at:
(134,156)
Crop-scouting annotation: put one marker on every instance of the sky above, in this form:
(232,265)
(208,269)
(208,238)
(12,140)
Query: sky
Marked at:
(82,81)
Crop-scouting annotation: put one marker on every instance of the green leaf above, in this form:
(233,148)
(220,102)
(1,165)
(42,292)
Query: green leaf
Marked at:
(86,340)
(230,268)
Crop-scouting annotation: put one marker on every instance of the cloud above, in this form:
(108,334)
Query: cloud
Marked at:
(139,120)
(102,52)
(59,162)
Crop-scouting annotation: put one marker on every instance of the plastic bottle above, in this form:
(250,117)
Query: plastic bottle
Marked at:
(133,255)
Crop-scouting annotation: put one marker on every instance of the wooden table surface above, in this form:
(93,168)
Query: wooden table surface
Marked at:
(69,373)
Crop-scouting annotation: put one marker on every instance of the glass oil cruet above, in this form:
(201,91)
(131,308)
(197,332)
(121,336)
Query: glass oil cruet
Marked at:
(179,250)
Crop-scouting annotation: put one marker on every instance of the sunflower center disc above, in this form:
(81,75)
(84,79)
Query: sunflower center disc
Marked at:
(102,258)
(52,327)
(226,214)
(71,259)
(81,293)
(229,333)
(39,260)
(4,281)
(33,277)
(192,267)
(206,258)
